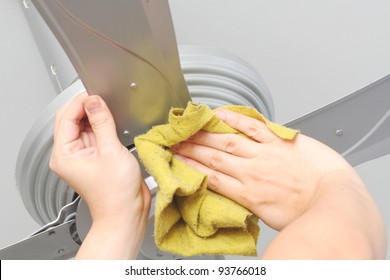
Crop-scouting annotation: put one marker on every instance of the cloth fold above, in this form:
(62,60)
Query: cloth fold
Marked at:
(189,218)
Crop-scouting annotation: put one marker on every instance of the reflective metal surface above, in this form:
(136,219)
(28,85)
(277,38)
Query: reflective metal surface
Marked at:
(55,241)
(126,52)
(357,125)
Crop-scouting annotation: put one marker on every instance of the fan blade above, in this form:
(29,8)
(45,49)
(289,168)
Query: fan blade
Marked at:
(57,240)
(57,244)
(357,125)
(126,52)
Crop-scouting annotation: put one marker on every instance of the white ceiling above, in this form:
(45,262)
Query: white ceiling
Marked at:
(308,52)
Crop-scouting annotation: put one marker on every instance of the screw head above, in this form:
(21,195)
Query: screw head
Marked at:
(339,132)
(126,133)
(26,5)
(53,70)
(133,85)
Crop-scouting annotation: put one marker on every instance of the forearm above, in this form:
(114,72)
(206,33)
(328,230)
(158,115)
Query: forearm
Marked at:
(342,222)
(114,239)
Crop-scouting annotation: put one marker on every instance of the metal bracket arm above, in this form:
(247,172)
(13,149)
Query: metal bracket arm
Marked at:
(55,241)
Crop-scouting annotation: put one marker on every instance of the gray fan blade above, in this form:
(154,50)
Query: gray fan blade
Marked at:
(124,51)
(57,244)
(357,126)
(56,240)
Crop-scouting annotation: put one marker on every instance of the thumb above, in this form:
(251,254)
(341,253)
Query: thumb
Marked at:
(101,121)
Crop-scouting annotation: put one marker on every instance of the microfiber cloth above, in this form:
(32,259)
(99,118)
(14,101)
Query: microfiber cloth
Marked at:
(189,218)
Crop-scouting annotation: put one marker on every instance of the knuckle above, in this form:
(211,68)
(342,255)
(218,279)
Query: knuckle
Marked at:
(53,161)
(251,199)
(230,145)
(99,121)
(55,165)
(216,160)
(248,199)
(214,181)
(253,130)
(52,164)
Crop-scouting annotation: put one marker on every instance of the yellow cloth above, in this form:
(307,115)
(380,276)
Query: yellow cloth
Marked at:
(189,218)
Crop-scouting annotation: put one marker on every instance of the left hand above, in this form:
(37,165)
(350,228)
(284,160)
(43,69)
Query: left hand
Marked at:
(301,188)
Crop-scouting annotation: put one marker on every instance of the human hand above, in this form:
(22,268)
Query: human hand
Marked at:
(274,178)
(89,157)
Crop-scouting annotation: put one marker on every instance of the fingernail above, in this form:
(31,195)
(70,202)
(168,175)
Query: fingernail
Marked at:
(92,104)
(221,114)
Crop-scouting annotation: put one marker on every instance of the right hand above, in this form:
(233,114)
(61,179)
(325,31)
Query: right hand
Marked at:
(274,178)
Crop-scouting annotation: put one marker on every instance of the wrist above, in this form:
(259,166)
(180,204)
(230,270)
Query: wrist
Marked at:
(116,234)
(120,205)
(117,237)
(336,181)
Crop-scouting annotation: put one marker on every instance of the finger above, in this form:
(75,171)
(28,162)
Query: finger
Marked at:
(251,127)
(218,182)
(101,122)
(85,137)
(88,130)
(68,121)
(212,158)
(230,143)
(57,120)
(60,112)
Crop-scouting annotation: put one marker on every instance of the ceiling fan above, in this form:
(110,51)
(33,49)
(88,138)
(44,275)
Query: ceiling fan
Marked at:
(118,57)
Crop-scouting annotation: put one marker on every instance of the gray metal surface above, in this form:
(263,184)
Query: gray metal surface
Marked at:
(42,191)
(57,64)
(56,244)
(218,78)
(357,126)
(55,241)
(117,50)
